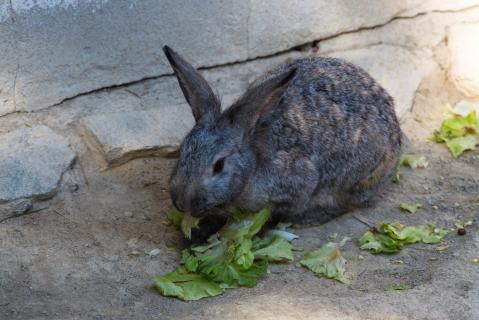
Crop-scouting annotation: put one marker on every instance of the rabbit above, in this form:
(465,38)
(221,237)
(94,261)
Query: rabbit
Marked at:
(311,139)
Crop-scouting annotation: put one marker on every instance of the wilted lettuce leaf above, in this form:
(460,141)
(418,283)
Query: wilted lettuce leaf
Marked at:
(186,286)
(232,258)
(398,287)
(426,233)
(227,257)
(219,264)
(175,217)
(244,226)
(392,237)
(409,207)
(327,261)
(413,161)
(460,133)
(457,146)
(379,243)
(397,175)
(458,126)
(274,249)
(184,221)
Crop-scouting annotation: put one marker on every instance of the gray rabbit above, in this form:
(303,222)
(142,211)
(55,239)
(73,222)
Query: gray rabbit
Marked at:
(311,139)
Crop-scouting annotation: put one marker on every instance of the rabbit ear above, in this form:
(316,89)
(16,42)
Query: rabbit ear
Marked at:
(196,90)
(259,100)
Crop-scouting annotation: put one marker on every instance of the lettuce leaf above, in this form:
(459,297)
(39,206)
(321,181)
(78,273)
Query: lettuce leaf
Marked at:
(410,207)
(327,261)
(184,221)
(186,286)
(457,146)
(460,133)
(274,249)
(232,258)
(413,161)
(391,238)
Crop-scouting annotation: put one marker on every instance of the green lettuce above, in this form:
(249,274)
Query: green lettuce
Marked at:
(409,207)
(234,257)
(457,146)
(460,133)
(327,261)
(186,286)
(183,221)
(412,161)
(391,238)
(274,249)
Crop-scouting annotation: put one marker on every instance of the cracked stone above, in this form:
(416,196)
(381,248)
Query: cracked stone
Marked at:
(280,25)
(125,136)
(421,33)
(100,44)
(463,48)
(32,162)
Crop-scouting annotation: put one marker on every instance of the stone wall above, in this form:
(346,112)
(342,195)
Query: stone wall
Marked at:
(90,75)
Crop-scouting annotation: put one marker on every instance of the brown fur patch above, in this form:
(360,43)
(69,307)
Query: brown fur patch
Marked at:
(388,164)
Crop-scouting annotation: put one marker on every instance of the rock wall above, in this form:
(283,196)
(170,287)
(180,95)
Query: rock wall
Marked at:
(91,74)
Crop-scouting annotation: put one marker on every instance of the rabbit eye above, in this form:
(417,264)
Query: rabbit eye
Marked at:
(218,166)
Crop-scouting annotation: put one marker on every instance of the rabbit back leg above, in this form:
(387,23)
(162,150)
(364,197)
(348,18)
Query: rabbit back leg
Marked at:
(362,192)
(329,204)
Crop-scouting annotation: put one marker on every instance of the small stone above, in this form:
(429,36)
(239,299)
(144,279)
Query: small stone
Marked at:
(154,252)
(396,261)
(442,247)
(135,253)
(128,214)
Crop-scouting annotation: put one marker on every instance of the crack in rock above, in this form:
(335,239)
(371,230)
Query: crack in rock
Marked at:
(309,44)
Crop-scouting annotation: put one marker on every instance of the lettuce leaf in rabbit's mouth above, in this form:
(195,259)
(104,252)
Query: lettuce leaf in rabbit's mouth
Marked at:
(183,221)
(234,257)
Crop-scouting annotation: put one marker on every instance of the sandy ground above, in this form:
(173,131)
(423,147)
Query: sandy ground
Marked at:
(84,257)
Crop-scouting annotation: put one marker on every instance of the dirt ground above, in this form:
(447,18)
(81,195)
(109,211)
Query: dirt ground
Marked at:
(85,256)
